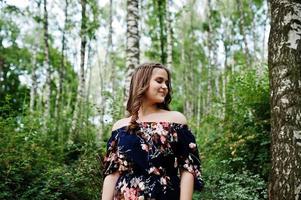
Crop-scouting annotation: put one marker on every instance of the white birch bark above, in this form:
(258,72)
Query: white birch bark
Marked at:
(169,35)
(46,63)
(33,89)
(284,62)
(132,42)
(61,70)
(81,86)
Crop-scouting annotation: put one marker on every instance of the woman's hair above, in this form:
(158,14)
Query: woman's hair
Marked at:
(139,84)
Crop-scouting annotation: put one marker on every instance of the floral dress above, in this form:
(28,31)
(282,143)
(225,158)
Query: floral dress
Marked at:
(150,161)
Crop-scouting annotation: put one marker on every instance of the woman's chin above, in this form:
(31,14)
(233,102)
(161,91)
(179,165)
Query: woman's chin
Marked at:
(161,100)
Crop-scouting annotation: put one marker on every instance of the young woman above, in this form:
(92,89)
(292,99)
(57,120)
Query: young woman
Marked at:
(151,154)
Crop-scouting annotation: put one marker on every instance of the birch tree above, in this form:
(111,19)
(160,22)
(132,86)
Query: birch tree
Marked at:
(81,87)
(169,35)
(33,89)
(284,61)
(132,41)
(46,62)
(89,24)
(61,69)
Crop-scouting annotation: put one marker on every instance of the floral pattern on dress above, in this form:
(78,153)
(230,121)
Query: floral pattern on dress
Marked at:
(150,161)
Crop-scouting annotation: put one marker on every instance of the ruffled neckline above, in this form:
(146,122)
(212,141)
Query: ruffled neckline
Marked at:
(170,124)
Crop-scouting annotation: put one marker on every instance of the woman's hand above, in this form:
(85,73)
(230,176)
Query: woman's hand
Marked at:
(186,187)
(109,186)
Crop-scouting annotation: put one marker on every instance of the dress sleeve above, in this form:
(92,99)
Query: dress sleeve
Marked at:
(188,155)
(111,163)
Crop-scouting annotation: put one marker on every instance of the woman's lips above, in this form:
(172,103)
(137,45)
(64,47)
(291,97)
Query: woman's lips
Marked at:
(163,93)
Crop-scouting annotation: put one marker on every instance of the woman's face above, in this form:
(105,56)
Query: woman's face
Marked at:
(158,86)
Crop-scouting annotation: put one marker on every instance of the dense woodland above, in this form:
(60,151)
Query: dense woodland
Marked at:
(236,75)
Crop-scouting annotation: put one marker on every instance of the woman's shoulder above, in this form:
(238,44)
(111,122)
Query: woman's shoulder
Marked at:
(168,116)
(121,123)
(176,117)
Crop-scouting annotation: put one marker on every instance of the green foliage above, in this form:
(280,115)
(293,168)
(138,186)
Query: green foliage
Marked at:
(41,162)
(156,30)
(92,22)
(243,185)
(33,165)
(12,60)
(235,151)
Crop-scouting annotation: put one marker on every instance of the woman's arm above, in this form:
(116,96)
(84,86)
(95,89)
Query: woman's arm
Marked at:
(109,186)
(186,187)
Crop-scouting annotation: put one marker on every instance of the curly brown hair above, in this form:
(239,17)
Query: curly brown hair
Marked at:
(139,84)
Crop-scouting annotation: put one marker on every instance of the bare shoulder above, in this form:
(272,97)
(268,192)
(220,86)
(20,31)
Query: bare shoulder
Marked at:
(177,117)
(121,123)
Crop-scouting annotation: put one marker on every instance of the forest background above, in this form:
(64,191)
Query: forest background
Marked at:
(64,66)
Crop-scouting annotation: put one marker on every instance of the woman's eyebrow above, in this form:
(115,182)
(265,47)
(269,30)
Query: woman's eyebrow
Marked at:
(161,77)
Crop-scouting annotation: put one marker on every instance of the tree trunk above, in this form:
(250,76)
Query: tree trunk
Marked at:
(209,68)
(110,49)
(183,70)
(285,85)
(161,9)
(267,16)
(33,89)
(253,27)
(81,86)
(101,104)
(61,72)
(88,70)
(227,95)
(132,43)
(169,35)
(47,64)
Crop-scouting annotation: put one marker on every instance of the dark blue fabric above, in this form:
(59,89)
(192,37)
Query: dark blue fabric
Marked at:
(150,160)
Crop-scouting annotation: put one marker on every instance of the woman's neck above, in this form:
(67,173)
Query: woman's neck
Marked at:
(147,110)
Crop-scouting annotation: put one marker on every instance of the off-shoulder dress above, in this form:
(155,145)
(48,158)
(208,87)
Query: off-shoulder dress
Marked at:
(150,161)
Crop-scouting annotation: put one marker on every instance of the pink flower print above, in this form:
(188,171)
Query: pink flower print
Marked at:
(135,182)
(122,168)
(197,173)
(165,124)
(159,129)
(141,185)
(130,194)
(144,125)
(154,170)
(154,125)
(163,181)
(190,169)
(146,135)
(144,147)
(106,158)
(162,139)
(188,166)
(192,145)
(111,157)
(141,198)
(124,187)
